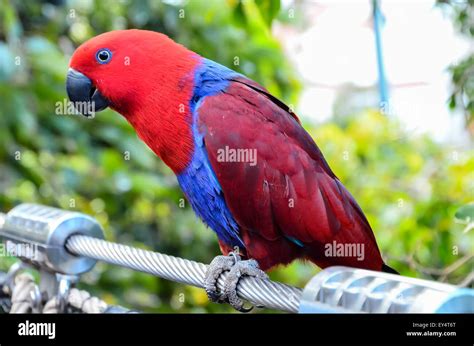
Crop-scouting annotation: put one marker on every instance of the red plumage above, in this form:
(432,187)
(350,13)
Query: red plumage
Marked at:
(291,193)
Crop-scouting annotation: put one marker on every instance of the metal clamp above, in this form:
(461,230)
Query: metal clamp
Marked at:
(37,234)
(343,289)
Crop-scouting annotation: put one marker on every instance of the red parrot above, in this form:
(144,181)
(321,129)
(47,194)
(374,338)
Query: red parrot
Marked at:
(248,168)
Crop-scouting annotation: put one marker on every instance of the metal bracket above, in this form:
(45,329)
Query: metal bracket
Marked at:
(343,289)
(57,285)
(37,235)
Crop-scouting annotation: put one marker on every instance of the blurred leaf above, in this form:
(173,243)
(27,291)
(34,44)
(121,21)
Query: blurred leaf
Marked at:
(269,9)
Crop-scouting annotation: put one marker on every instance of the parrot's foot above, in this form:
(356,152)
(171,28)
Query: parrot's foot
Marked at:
(236,268)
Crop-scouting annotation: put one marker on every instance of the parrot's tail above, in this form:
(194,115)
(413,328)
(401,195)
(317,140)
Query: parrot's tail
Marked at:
(387,269)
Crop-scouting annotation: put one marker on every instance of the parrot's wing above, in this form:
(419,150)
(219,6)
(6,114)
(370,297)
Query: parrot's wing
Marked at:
(274,178)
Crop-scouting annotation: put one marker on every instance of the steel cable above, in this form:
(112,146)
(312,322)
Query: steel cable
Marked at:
(265,293)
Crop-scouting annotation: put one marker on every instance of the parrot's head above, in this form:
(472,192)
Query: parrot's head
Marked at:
(123,69)
(146,77)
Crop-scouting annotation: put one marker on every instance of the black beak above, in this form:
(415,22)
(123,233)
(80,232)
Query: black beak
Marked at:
(86,98)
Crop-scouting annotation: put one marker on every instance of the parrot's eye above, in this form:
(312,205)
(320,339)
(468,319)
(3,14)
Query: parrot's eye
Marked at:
(103,56)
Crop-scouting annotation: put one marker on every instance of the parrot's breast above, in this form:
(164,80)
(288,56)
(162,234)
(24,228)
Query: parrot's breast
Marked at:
(198,180)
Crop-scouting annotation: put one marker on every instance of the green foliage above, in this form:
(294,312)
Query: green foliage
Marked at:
(410,187)
(462,79)
(465,216)
(462,72)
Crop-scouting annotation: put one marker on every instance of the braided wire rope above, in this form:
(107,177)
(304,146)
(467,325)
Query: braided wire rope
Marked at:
(267,293)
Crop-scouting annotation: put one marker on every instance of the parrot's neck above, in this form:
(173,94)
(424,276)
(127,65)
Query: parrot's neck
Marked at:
(162,117)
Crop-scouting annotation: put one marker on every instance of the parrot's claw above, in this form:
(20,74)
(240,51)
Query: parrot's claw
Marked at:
(249,268)
(217,266)
(236,268)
